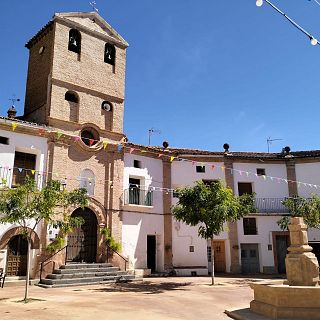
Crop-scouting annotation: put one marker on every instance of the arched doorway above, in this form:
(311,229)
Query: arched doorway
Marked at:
(17,256)
(82,241)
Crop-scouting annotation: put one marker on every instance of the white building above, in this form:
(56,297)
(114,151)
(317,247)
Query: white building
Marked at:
(23,152)
(254,244)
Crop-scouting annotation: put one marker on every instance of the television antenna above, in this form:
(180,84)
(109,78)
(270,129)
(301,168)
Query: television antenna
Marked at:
(93,4)
(269,142)
(153,131)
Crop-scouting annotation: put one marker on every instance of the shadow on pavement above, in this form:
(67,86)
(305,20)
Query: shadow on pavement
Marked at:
(145,287)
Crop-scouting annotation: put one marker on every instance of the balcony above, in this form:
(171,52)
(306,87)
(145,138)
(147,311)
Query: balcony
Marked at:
(270,205)
(139,197)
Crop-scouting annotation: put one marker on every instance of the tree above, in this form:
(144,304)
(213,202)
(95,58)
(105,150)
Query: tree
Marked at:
(28,206)
(307,208)
(209,207)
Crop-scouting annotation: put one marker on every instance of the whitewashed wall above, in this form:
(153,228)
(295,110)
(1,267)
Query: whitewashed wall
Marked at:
(308,173)
(263,188)
(265,226)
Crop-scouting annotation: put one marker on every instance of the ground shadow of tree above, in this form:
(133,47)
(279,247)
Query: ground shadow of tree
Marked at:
(145,287)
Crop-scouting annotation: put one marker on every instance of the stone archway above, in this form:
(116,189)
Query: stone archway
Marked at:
(82,241)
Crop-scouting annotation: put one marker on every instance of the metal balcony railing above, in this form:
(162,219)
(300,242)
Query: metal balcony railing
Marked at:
(270,205)
(138,196)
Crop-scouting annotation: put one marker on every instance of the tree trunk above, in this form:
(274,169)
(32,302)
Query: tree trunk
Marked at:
(26,292)
(212,262)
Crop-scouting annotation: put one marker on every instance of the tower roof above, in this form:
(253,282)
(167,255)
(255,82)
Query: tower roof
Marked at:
(86,21)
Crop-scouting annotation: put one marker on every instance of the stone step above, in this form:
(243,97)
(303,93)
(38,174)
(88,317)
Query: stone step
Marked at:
(86,280)
(85,270)
(74,265)
(85,274)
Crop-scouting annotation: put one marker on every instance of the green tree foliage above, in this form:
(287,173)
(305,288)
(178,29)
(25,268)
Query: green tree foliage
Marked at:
(307,208)
(29,206)
(209,207)
(110,241)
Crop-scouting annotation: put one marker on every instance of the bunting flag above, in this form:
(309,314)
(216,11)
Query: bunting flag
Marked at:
(14,126)
(213,167)
(222,168)
(172,158)
(33,171)
(59,134)
(160,155)
(91,141)
(131,150)
(76,138)
(20,170)
(41,131)
(264,177)
(105,145)
(193,163)
(143,151)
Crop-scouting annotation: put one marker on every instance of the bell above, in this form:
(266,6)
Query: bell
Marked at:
(73,41)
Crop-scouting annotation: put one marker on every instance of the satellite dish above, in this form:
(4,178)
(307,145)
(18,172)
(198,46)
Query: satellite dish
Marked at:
(165,144)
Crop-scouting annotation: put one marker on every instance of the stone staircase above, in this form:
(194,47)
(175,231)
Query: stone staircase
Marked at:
(79,274)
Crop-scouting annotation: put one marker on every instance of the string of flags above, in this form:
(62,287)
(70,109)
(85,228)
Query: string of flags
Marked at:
(170,157)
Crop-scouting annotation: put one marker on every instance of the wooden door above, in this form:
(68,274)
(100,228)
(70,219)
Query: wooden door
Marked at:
(82,241)
(219,256)
(17,256)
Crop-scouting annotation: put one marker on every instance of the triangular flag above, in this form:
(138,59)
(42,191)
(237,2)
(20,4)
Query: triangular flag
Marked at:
(41,131)
(91,141)
(247,173)
(213,167)
(105,145)
(131,150)
(264,177)
(59,134)
(14,125)
(172,158)
(193,163)
(33,171)
(20,169)
(222,168)
(160,155)
(143,151)
(76,138)
(120,147)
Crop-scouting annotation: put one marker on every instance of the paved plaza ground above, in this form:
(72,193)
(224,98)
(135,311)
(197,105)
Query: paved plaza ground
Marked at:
(153,299)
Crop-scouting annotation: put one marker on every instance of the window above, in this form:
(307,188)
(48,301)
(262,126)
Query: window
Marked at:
(24,164)
(200,169)
(74,41)
(4,140)
(249,226)
(89,137)
(110,54)
(244,188)
(261,171)
(71,97)
(191,249)
(88,181)
(137,163)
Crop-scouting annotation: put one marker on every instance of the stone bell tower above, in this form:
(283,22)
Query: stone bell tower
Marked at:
(76,86)
(76,73)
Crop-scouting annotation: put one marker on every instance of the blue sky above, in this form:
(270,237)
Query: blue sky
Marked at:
(203,72)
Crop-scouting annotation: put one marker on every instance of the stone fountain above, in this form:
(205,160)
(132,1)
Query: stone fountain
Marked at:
(299,296)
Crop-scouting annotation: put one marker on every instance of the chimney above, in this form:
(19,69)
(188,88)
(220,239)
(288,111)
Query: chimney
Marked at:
(12,112)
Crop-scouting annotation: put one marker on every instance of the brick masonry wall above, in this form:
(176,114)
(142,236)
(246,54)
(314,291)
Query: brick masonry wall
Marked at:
(39,69)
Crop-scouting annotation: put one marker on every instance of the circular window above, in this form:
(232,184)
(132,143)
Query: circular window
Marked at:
(89,137)
(106,106)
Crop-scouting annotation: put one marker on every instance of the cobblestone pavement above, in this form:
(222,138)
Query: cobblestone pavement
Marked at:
(152,299)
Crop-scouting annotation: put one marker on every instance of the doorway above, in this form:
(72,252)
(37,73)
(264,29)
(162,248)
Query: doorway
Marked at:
(219,256)
(282,243)
(82,241)
(250,258)
(17,256)
(151,252)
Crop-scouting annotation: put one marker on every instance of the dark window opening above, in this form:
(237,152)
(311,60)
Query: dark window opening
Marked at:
(249,226)
(4,140)
(74,41)
(89,137)
(24,164)
(200,169)
(244,188)
(191,249)
(71,97)
(261,171)
(109,54)
(137,164)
